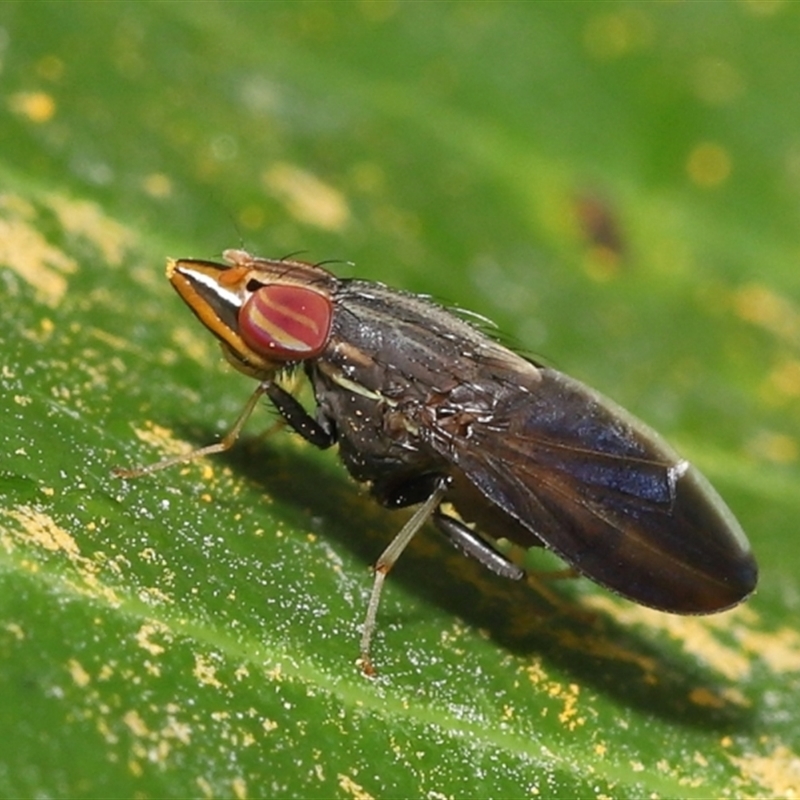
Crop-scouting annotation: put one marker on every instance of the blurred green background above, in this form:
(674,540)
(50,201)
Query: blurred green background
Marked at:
(616,185)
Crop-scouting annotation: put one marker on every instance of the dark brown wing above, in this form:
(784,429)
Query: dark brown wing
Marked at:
(606,493)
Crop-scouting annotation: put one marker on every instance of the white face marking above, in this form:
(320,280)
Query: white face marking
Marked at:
(231,297)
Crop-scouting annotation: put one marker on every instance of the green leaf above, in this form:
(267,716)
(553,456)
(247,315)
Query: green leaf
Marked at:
(615,184)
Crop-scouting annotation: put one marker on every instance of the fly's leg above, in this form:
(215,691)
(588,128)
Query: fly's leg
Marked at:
(416,490)
(387,560)
(470,543)
(474,545)
(218,447)
(299,419)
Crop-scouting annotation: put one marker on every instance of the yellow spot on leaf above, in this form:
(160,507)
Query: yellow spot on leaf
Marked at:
(778,774)
(569,714)
(780,448)
(610,36)
(306,197)
(779,649)
(37,107)
(205,672)
(239,787)
(269,725)
(136,724)
(15,630)
(40,529)
(148,630)
(355,790)
(696,634)
(763,8)
(87,220)
(708,165)
(157,185)
(761,306)
(135,768)
(78,673)
(162,438)
(195,346)
(702,696)
(785,378)
(29,254)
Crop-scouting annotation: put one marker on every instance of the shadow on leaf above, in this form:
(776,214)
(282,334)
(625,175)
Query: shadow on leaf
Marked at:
(589,645)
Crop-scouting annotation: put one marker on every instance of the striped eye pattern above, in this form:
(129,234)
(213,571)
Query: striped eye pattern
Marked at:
(286,322)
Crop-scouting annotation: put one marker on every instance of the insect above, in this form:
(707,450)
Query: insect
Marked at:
(430,411)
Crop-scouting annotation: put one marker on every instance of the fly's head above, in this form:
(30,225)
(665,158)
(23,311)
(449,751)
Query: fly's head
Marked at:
(266,314)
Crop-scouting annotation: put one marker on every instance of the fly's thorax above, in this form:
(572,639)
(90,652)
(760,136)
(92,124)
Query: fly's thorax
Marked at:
(408,349)
(399,372)
(379,442)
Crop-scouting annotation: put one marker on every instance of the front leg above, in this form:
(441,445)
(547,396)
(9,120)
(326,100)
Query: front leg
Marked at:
(299,419)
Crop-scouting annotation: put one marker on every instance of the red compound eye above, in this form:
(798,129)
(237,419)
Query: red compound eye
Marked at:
(286,322)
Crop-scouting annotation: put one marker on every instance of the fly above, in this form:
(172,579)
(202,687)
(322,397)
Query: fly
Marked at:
(430,411)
